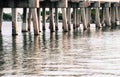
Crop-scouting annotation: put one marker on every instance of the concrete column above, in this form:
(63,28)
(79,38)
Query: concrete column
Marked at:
(117,16)
(80,16)
(88,16)
(103,16)
(64,20)
(39,19)
(77,18)
(14,22)
(113,16)
(29,19)
(107,16)
(52,25)
(74,18)
(84,20)
(1,18)
(35,21)
(24,24)
(69,18)
(97,17)
(119,13)
(56,18)
(44,20)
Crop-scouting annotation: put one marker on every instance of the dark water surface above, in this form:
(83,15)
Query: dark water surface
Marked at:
(92,53)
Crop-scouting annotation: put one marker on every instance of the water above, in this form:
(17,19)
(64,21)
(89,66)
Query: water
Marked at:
(93,53)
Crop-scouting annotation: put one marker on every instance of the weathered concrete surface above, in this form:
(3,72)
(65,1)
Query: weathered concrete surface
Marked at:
(49,3)
(54,3)
(19,3)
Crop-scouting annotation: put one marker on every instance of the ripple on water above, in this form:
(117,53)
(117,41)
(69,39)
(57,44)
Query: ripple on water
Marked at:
(74,54)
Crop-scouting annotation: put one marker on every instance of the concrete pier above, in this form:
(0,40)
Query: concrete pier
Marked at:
(117,16)
(74,17)
(84,20)
(56,19)
(77,18)
(88,16)
(97,15)
(35,21)
(14,22)
(113,20)
(64,20)
(106,14)
(24,23)
(1,17)
(69,18)
(29,19)
(39,19)
(44,20)
(52,24)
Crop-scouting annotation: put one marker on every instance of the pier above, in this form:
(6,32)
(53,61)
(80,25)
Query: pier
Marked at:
(107,13)
(60,38)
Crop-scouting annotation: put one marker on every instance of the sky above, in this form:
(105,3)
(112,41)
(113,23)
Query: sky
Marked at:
(8,10)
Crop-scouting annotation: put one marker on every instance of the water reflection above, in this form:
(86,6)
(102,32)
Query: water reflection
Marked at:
(90,53)
(1,54)
(1,42)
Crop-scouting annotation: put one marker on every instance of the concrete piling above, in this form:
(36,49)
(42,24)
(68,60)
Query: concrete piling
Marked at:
(117,16)
(52,24)
(113,22)
(77,18)
(56,18)
(29,19)
(1,18)
(44,19)
(35,21)
(84,18)
(69,18)
(14,22)
(74,17)
(97,14)
(103,16)
(64,20)
(39,19)
(24,23)
(88,16)
(107,15)
(97,17)
(81,13)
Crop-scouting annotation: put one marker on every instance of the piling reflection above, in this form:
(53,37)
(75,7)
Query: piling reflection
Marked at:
(2,62)
(25,42)
(1,42)
(14,54)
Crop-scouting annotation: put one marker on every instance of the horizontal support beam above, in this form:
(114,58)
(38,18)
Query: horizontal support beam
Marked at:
(55,3)
(19,3)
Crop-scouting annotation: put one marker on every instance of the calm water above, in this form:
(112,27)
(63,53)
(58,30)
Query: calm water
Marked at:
(93,53)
